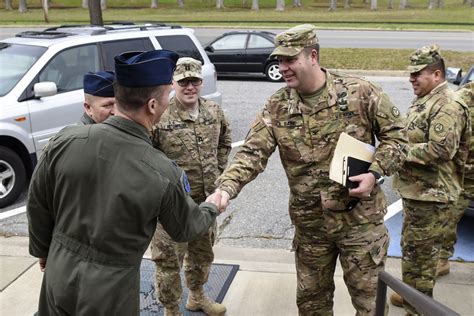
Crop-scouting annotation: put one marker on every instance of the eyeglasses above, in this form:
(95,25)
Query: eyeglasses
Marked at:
(185,82)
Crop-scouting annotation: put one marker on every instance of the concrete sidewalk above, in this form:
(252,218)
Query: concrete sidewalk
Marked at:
(264,285)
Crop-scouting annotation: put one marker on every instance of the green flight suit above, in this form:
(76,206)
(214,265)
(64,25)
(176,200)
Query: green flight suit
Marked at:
(94,201)
(306,137)
(86,120)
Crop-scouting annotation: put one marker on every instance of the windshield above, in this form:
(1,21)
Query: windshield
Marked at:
(15,60)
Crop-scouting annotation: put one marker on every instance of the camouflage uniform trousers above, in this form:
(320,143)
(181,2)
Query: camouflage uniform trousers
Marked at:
(450,238)
(424,226)
(169,255)
(362,251)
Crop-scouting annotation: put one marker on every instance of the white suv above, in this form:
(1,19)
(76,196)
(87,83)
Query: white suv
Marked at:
(41,84)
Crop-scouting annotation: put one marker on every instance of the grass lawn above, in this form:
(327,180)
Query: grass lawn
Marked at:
(454,15)
(387,59)
(237,13)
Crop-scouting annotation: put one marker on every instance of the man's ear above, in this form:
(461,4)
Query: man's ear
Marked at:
(152,106)
(314,55)
(87,108)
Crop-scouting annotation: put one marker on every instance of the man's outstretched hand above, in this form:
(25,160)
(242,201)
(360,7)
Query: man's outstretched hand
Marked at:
(220,199)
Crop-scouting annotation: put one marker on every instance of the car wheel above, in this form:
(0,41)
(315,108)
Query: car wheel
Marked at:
(272,72)
(12,176)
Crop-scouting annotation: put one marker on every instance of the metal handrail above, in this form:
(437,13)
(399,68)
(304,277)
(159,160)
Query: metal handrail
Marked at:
(421,302)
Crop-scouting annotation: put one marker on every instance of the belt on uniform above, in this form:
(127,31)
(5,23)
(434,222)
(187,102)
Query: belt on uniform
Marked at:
(92,254)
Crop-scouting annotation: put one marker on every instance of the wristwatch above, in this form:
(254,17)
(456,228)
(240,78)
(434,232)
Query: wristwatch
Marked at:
(378,178)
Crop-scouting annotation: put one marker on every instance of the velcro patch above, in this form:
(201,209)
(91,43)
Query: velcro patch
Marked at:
(185,182)
(395,111)
(439,128)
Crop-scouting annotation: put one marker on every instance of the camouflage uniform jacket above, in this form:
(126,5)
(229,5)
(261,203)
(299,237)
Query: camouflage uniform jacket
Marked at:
(200,146)
(467,96)
(86,120)
(306,137)
(439,130)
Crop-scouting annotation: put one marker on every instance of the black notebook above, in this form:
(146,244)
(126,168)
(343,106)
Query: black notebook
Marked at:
(354,167)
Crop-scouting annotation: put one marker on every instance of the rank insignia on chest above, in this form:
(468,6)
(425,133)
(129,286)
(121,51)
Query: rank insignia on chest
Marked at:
(342,101)
(420,107)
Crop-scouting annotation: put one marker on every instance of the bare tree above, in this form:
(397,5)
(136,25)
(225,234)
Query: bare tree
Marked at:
(432,4)
(8,5)
(22,7)
(255,6)
(85,4)
(297,3)
(244,3)
(347,4)
(103,4)
(154,4)
(45,5)
(373,4)
(390,4)
(95,12)
(403,4)
(333,5)
(219,4)
(280,5)
(181,3)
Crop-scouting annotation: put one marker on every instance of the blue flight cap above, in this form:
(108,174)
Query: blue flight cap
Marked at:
(145,69)
(99,83)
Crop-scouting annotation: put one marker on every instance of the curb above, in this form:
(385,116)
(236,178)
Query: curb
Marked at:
(384,73)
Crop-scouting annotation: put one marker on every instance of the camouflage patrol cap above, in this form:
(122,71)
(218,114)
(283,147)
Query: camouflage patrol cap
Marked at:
(187,67)
(422,57)
(291,42)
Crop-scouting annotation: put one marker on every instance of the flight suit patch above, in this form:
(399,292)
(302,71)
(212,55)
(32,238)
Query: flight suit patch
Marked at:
(185,182)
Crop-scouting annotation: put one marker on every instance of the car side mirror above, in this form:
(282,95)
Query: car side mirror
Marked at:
(454,75)
(45,89)
(209,49)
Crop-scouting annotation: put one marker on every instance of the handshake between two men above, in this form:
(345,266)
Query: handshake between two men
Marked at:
(220,199)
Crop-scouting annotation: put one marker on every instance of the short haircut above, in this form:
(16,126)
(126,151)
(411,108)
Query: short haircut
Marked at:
(90,98)
(308,49)
(437,65)
(133,98)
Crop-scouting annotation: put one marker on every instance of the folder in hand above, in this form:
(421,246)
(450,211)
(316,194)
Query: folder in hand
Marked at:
(349,147)
(354,167)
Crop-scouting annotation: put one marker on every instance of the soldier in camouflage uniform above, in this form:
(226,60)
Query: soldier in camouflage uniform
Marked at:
(439,130)
(466,95)
(194,133)
(304,120)
(99,98)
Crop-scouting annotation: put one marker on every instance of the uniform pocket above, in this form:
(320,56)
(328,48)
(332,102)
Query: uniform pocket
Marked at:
(378,250)
(335,198)
(293,139)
